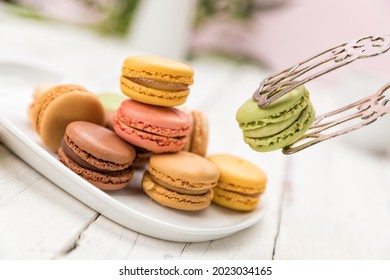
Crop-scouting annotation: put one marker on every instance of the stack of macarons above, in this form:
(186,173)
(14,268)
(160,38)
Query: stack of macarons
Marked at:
(278,124)
(177,138)
(149,119)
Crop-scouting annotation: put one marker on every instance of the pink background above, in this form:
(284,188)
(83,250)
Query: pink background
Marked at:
(283,36)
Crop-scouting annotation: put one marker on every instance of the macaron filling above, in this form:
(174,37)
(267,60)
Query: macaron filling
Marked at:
(159,139)
(286,136)
(237,192)
(103,180)
(235,201)
(173,199)
(270,129)
(136,91)
(160,85)
(243,190)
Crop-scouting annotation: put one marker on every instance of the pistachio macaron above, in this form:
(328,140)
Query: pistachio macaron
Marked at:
(156,80)
(240,184)
(276,125)
(182,180)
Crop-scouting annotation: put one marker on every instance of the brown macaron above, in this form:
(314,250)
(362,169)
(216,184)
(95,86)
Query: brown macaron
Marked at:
(97,154)
(60,105)
(142,157)
(180,180)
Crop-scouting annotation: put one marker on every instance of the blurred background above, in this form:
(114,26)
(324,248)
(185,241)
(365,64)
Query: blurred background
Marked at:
(269,34)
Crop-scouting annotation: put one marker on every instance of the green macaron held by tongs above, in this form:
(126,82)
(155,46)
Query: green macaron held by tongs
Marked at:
(278,124)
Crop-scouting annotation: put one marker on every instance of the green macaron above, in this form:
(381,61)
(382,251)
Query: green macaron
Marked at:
(111,101)
(276,125)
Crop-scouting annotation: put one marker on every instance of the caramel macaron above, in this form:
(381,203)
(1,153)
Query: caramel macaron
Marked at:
(60,105)
(180,180)
(240,184)
(199,137)
(97,154)
(156,80)
(37,93)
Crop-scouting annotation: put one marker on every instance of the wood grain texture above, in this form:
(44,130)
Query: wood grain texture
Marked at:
(38,219)
(336,206)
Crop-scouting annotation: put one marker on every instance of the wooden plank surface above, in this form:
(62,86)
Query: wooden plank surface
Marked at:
(38,219)
(336,205)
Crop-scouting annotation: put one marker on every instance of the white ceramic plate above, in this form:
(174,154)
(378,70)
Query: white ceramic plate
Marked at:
(129,207)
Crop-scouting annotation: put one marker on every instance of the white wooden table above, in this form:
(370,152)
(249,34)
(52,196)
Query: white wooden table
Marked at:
(331,201)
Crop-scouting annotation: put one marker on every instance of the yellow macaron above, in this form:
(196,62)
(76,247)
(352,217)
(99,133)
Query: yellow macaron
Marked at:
(156,80)
(240,184)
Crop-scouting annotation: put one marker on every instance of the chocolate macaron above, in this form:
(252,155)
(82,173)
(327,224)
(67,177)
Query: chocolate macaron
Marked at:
(97,154)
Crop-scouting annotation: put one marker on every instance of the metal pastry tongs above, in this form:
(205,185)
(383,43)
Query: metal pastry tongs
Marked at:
(368,109)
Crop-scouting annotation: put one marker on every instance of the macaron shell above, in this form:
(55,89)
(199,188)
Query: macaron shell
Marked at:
(199,134)
(235,201)
(184,170)
(285,137)
(158,68)
(173,199)
(152,96)
(106,181)
(239,172)
(43,99)
(147,140)
(41,89)
(251,116)
(99,142)
(64,109)
(163,121)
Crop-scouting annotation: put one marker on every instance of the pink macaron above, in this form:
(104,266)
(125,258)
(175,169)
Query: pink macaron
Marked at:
(155,128)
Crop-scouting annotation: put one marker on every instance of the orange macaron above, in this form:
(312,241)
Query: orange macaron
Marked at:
(60,105)
(182,180)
